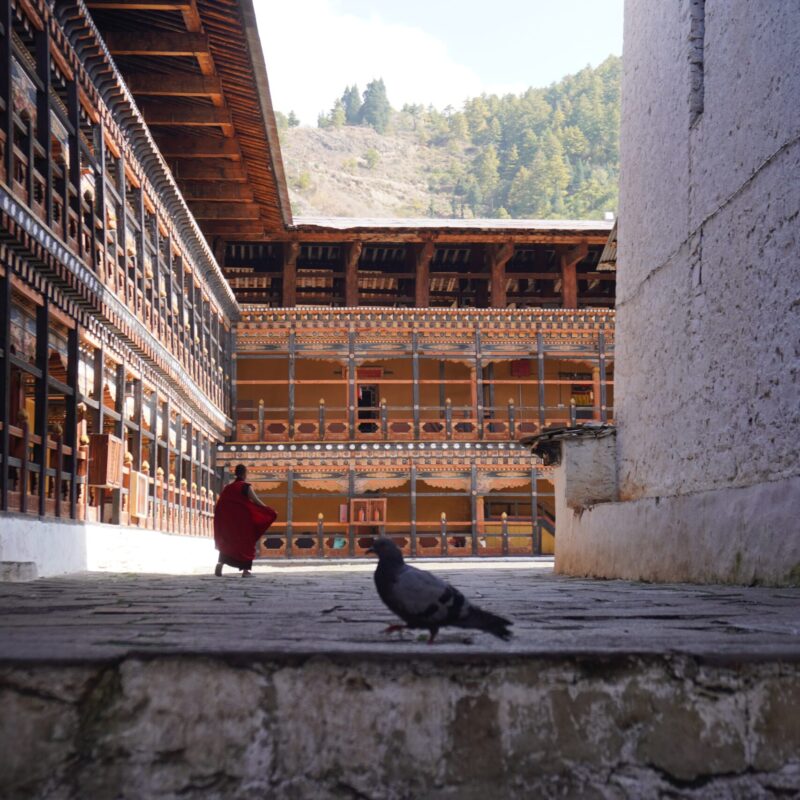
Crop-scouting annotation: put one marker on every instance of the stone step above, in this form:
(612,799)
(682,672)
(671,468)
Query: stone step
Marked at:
(284,685)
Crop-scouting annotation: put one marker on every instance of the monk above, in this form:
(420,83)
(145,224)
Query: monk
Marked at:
(240,519)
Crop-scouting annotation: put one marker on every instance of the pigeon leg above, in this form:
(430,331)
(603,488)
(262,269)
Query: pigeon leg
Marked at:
(434,631)
(393,628)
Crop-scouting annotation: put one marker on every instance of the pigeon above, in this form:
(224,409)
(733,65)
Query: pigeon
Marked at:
(422,600)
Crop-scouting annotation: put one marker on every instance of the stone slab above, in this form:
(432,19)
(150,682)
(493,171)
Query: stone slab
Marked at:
(328,609)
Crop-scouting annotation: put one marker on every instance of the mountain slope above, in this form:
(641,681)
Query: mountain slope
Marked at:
(546,153)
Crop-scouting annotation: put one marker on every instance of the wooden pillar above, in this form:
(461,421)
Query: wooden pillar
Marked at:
(178,449)
(413,509)
(229,399)
(100,190)
(5,367)
(422,255)
(152,412)
(138,418)
(596,402)
(43,116)
(569,275)
(415,381)
(289,510)
(6,92)
(540,367)
(601,343)
(479,380)
(120,431)
(291,250)
(473,506)
(42,398)
(292,378)
(351,491)
(490,384)
(499,256)
(351,382)
(71,422)
(166,412)
(473,390)
(73,112)
(536,528)
(351,257)
(97,390)
(179,279)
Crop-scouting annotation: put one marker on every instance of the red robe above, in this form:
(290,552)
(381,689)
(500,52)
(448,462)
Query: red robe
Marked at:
(239,522)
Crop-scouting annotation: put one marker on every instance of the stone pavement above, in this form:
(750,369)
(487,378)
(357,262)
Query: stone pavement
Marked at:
(333,609)
(283,686)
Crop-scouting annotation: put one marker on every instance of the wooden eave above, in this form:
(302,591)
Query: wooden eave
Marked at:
(197,72)
(608,258)
(90,48)
(446,231)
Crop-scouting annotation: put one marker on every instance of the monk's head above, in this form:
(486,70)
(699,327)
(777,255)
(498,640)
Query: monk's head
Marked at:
(240,472)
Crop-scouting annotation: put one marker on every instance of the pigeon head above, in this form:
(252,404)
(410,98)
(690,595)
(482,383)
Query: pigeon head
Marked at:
(386,550)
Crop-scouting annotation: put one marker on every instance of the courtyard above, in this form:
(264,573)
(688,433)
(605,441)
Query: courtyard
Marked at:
(333,608)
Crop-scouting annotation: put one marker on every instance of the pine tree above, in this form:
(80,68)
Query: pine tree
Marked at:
(486,172)
(351,101)
(338,115)
(293,120)
(376,109)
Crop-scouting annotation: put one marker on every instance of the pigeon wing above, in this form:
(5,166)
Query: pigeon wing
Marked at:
(423,600)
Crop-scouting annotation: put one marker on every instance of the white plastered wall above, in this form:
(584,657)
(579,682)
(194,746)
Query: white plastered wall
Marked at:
(708,304)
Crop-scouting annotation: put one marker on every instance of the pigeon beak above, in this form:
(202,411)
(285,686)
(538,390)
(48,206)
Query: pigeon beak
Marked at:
(370,550)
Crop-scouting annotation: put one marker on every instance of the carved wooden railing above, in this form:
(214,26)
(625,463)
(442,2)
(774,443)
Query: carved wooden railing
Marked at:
(319,538)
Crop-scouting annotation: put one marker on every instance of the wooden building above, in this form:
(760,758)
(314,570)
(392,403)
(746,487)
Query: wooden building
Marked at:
(163,317)
(115,318)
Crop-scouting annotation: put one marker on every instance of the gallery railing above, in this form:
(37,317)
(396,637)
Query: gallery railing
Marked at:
(449,422)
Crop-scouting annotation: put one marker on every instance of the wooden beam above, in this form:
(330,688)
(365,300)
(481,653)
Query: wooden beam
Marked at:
(216,191)
(499,255)
(250,230)
(157,43)
(167,114)
(175,85)
(569,277)
(232,210)
(139,5)
(198,147)
(441,236)
(422,255)
(229,171)
(291,250)
(352,255)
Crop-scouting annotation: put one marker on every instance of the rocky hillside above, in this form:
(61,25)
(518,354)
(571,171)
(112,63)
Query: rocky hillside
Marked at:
(357,172)
(546,153)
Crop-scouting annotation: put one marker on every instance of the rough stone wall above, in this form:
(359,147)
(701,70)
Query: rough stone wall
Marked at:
(708,303)
(619,727)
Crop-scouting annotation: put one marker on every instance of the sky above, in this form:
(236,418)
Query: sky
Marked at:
(438,52)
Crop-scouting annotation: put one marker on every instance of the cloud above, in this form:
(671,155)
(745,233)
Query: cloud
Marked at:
(312,52)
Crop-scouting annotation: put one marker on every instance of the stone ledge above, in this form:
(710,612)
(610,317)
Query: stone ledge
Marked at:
(733,535)
(201,727)
(17,571)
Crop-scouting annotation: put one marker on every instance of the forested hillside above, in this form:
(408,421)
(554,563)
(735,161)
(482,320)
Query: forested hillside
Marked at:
(547,153)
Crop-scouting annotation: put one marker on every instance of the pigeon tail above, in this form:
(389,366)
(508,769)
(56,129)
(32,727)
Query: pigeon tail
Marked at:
(486,621)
